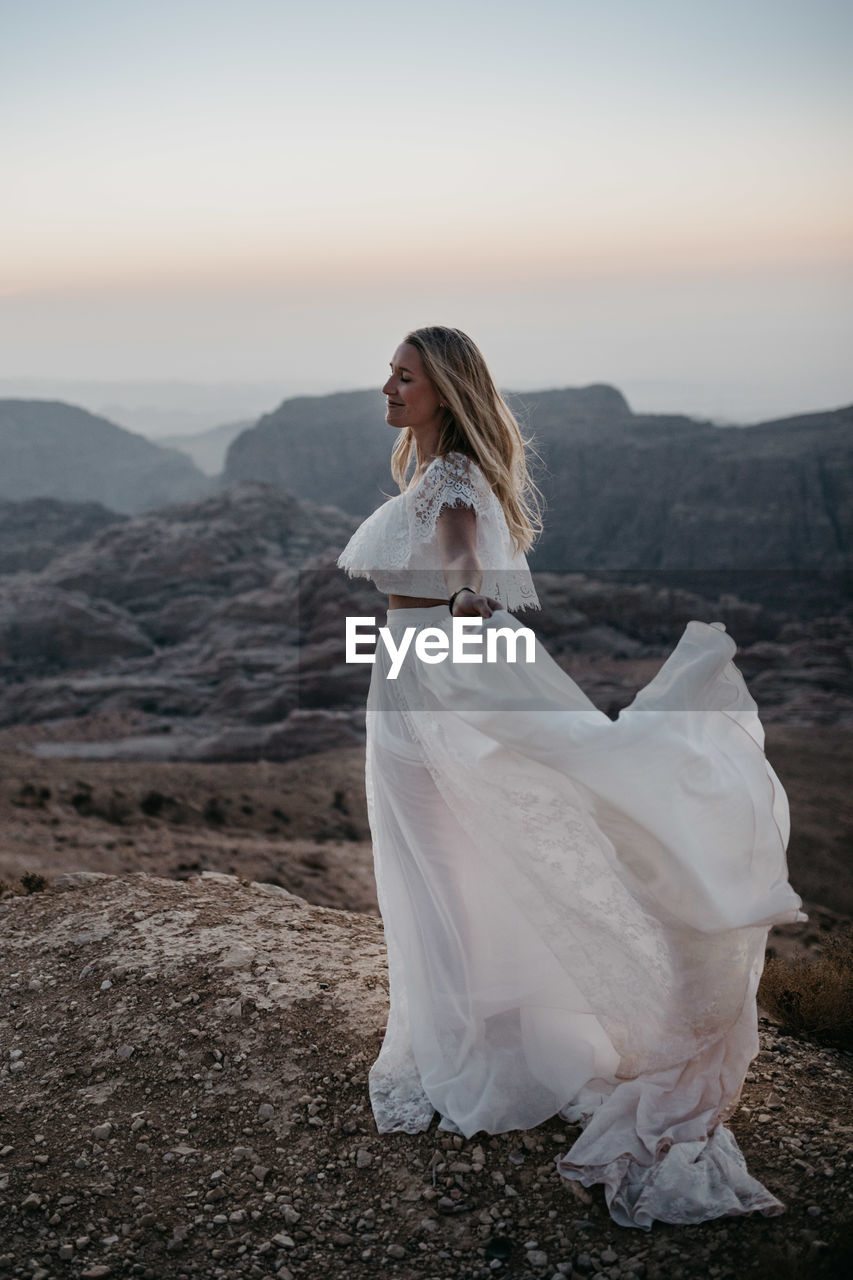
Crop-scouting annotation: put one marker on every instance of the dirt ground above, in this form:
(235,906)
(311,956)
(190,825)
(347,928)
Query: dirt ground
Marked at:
(184,1049)
(184,1093)
(301,825)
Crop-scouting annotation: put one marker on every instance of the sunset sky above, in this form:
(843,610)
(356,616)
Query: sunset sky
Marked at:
(655,194)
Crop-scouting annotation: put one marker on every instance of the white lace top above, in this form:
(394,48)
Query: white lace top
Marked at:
(397,546)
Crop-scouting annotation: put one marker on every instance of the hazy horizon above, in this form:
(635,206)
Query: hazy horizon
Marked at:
(160,408)
(658,197)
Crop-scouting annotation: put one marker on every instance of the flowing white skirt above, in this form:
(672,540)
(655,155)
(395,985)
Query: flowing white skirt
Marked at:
(576,911)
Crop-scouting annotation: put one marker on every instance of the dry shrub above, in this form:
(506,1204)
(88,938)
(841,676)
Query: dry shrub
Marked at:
(814,997)
(34,882)
(806,1260)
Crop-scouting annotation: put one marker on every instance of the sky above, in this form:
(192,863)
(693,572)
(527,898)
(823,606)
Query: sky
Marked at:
(658,195)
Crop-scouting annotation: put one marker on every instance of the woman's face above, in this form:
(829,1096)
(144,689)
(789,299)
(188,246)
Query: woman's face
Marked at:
(412,400)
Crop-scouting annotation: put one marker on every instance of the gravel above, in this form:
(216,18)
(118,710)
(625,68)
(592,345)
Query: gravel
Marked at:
(236,1139)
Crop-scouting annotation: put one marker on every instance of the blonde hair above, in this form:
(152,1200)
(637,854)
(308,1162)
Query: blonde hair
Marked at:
(478,422)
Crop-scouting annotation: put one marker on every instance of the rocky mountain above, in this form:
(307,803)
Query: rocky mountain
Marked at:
(336,448)
(327,448)
(624,491)
(215,630)
(34,531)
(194,624)
(56,450)
(666,493)
(225,566)
(207,449)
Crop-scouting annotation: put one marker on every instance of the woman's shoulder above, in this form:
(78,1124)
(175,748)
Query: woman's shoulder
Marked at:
(450,480)
(454,468)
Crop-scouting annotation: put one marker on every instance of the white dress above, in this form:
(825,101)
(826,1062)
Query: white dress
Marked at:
(575,908)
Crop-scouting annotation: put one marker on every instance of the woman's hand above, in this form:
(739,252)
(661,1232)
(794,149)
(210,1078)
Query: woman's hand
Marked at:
(469,605)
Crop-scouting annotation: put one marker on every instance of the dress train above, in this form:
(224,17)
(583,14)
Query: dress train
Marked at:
(576,911)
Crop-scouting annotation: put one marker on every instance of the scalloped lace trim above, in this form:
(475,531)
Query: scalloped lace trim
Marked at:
(397,546)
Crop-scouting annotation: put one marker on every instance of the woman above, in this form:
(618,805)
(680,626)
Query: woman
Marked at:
(575,909)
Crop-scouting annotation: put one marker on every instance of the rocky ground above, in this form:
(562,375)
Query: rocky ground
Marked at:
(184,1093)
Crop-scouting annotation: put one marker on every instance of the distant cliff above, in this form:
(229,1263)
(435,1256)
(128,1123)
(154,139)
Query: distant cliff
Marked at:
(327,448)
(671,493)
(624,491)
(337,448)
(56,450)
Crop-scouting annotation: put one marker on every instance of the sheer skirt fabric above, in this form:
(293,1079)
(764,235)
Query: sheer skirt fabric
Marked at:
(576,911)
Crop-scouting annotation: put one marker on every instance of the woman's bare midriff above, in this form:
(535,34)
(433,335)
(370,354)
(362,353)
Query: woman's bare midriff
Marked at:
(413,602)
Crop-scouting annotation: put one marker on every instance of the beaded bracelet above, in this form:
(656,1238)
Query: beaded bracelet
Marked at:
(456,593)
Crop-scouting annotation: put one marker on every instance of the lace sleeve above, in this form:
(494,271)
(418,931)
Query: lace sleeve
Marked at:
(453,480)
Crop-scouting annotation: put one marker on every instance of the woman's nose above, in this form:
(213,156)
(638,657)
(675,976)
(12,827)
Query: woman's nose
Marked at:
(386,390)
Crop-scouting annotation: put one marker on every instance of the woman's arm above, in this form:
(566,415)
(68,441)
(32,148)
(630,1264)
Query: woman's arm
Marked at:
(457,544)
